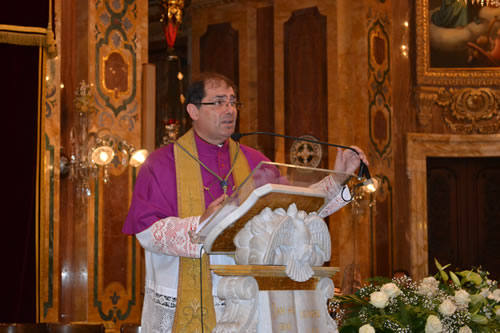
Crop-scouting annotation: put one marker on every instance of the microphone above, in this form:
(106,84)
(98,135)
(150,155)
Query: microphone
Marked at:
(370,184)
(238,136)
(363,168)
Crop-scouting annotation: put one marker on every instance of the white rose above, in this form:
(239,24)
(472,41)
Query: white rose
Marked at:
(433,325)
(447,308)
(428,286)
(462,297)
(391,290)
(430,280)
(367,328)
(484,292)
(465,329)
(378,299)
(495,295)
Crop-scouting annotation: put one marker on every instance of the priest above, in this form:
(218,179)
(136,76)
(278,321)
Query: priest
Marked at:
(179,186)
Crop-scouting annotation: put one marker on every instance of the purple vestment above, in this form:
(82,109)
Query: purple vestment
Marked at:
(155,190)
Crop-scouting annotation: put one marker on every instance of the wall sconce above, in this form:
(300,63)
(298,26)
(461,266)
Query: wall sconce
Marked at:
(94,149)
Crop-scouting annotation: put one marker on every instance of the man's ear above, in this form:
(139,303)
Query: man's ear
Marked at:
(193,111)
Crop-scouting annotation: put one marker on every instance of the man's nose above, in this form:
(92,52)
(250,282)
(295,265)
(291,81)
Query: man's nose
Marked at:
(228,107)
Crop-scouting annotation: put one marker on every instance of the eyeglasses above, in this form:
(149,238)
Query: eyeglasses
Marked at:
(219,105)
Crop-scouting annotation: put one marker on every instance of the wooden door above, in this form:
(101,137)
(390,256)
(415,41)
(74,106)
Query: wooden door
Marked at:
(464,213)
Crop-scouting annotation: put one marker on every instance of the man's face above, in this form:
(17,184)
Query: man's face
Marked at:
(215,123)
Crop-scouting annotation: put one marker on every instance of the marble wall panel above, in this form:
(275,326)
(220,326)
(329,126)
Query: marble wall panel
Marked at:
(241,17)
(117,49)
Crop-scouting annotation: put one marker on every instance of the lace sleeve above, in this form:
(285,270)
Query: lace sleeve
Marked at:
(329,186)
(170,236)
(334,204)
(338,195)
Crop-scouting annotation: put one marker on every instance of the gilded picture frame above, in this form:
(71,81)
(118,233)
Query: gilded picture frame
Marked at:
(449,51)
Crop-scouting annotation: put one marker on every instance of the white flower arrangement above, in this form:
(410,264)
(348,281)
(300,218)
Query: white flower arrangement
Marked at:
(366,329)
(391,290)
(428,286)
(462,297)
(447,307)
(465,301)
(378,299)
(465,329)
(433,325)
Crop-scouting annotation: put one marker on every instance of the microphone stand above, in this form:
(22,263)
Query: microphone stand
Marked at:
(363,168)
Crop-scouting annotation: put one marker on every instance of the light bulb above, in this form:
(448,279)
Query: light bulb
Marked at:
(138,157)
(102,155)
(370,185)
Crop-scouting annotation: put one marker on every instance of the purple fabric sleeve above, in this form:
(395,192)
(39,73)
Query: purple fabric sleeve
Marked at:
(154,196)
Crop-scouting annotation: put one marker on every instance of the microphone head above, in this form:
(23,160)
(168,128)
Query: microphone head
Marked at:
(236,136)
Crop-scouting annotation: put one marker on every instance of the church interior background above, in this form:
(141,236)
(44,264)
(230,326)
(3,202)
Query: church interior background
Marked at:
(112,73)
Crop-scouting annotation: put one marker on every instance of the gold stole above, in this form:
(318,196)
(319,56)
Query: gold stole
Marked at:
(191,202)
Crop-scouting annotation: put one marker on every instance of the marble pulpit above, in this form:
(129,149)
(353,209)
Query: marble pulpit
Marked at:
(271,226)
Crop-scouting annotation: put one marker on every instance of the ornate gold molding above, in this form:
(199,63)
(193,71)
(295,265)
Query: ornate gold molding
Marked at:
(465,110)
(470,110)
(426,97)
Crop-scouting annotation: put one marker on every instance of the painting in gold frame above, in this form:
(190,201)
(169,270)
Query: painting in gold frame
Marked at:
(458,43)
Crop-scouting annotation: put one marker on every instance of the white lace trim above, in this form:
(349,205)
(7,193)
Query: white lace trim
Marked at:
(170,236)
(158,312)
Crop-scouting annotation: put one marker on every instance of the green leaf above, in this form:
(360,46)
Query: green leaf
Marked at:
(476,307)
(472,277)
(438,265)
(444,276)
(478,319)
(455,279)
(351,298)
(478,299)
(348,329)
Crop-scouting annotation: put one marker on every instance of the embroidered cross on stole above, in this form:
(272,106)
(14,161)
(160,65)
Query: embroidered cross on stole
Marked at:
(191,202)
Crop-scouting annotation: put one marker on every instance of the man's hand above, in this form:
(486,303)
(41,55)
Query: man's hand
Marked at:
(214,205)
(348,161)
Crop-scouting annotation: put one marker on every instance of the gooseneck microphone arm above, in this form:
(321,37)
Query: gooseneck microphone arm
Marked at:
(363,168)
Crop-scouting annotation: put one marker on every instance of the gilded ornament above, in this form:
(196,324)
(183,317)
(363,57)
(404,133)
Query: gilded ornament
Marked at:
(425,100)
(470,110)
